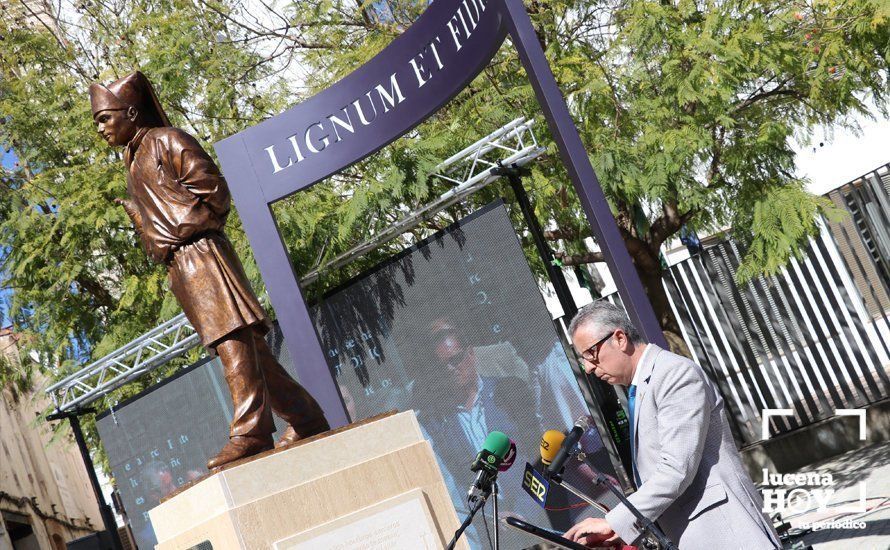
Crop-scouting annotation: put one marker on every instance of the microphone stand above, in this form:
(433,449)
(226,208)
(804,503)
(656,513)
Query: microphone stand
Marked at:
(648,525)
(477,505)
(577,492)
(463,526)
(497,543)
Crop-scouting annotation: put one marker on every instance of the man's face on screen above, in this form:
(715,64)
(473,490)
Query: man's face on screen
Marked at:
(613,363)
(457,359)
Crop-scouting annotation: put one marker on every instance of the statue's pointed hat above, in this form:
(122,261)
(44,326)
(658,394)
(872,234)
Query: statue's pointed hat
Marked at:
(133,90)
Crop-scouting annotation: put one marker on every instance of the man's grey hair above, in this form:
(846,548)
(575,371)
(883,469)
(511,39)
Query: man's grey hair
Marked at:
(605,316)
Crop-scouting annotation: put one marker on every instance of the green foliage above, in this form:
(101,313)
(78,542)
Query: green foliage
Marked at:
(781,221)
(688,110)
(15,378)
(708,97)
(80,285)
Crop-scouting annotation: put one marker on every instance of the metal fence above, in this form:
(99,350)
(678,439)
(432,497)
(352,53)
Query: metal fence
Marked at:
(863,237)
(800,340)
(814,338)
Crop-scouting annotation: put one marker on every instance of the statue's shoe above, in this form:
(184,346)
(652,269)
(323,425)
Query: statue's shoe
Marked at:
(238,447)
(291,435)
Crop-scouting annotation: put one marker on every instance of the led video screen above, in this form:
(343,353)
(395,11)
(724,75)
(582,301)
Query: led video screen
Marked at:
(454,328)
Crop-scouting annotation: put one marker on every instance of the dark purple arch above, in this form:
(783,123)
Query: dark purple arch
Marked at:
(289,152)
(411,61)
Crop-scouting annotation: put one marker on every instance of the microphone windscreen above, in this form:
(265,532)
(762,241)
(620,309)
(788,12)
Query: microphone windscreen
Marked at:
(509,458)
(551,441)
(498,444)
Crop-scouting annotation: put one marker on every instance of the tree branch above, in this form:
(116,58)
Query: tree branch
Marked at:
(96,290)
(563,234)
(579,259)
(667,224)
(779,91)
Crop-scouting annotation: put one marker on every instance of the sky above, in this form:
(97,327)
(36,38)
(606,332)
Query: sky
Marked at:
(8,159)
(844,156)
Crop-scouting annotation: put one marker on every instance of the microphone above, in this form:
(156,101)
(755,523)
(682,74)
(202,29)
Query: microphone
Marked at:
(556,448)
(551,441)
(568,445)
(487,462)
(509,459)
(535,483)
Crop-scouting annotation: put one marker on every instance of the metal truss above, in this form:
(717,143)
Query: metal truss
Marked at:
(144,354)
(469,170)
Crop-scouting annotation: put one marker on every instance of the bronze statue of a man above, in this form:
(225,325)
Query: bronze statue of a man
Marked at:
(179,201)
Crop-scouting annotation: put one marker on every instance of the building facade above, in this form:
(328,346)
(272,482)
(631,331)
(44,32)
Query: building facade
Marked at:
(45,496)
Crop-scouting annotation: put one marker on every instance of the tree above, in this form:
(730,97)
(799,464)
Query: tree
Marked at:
(688,110)
(694,109)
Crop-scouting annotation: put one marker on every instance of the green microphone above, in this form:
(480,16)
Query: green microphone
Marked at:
(495,448)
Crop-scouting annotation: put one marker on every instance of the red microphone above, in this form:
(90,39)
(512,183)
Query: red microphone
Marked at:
(509,458)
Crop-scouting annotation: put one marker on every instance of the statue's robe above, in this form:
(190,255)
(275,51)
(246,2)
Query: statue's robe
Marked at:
(179,202)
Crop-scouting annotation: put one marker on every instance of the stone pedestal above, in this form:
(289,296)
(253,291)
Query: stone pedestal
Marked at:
(371,485)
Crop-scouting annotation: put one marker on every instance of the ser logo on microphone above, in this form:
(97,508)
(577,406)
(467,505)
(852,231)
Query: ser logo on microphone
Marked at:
(535,484)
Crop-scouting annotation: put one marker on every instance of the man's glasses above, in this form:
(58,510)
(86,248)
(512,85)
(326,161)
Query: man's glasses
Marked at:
(593,352)
(452,362)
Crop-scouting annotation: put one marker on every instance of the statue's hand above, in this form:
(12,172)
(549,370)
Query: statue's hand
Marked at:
(131,211)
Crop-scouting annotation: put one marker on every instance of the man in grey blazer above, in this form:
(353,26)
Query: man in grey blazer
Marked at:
(688,471)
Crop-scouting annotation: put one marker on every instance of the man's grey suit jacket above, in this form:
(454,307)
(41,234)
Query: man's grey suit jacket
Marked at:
(693,481)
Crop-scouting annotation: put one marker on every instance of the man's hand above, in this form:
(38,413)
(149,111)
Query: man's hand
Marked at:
(122,202)
(592,531)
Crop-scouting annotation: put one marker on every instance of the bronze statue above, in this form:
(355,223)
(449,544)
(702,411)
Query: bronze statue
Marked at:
(179,201)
